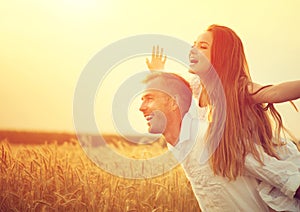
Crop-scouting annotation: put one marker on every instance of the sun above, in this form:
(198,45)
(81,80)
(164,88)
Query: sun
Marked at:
(80,4)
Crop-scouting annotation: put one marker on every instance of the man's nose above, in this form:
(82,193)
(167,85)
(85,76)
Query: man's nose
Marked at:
(142,107)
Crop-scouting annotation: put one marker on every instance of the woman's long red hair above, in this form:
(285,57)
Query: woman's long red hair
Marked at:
(247,124)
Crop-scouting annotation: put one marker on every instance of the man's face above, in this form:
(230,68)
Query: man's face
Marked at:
(155,107)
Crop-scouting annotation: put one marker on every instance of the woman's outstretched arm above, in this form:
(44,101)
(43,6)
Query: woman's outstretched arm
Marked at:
(282,92)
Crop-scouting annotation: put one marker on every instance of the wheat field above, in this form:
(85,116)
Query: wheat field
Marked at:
(54,177)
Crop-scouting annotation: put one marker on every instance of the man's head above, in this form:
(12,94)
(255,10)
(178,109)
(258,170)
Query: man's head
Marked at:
(166,100)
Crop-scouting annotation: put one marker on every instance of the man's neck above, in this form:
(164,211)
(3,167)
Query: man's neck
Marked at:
(172,134)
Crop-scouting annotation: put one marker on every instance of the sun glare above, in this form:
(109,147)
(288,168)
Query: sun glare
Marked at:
(80,4)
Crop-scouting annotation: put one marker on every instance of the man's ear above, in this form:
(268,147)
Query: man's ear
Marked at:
(174,102)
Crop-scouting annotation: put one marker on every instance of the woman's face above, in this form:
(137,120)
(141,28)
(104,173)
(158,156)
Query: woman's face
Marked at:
(200,54)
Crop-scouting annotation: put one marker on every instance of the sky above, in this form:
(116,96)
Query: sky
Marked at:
(45,45)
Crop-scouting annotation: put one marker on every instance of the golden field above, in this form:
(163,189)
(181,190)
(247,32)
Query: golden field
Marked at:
(53,177)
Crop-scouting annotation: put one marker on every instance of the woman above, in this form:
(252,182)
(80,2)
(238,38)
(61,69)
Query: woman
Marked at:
(247,145)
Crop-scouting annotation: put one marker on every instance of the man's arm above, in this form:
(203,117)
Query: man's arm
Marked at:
(281,174)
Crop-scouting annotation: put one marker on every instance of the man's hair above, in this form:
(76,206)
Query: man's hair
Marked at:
(173,85)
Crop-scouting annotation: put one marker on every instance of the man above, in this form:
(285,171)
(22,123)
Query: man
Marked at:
(165,102)
(166,105)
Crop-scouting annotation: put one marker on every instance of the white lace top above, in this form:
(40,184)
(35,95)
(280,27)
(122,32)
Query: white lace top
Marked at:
(246,193)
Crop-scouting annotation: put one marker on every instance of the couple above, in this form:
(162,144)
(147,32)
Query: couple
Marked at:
(250,168)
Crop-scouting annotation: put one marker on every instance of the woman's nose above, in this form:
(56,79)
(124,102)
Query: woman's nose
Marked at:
(193,51)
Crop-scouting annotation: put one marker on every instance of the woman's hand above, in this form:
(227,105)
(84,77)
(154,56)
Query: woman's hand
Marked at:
(158,61)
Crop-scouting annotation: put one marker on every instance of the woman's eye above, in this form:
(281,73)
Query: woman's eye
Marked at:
(199,45)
